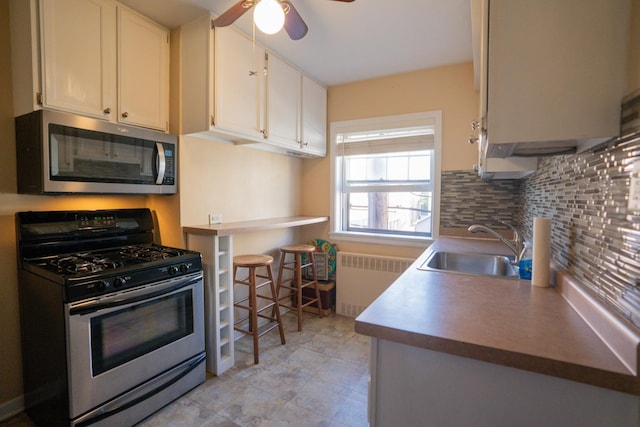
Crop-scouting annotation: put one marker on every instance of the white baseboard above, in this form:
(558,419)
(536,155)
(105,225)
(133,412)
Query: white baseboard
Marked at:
(11,408)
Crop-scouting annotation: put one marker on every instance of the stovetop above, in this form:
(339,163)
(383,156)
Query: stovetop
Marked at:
(77,264)
(95,273)
(93,253)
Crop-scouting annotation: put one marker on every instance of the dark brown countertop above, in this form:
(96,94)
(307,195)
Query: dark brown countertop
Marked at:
(503,321)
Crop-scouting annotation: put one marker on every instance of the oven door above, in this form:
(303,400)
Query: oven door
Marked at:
(121,340)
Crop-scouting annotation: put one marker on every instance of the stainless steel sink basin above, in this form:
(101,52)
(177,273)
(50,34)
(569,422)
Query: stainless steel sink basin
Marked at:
(471,263)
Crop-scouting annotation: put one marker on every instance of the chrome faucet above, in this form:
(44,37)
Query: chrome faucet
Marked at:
(516,246)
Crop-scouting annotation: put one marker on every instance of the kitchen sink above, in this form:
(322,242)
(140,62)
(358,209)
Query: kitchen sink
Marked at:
(471,263)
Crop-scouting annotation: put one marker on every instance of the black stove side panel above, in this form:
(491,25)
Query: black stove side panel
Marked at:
(44,357)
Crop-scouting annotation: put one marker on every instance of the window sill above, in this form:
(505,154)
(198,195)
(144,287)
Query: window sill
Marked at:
(391,240)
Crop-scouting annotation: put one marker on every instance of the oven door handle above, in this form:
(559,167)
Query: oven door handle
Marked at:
(131,297)
(121,404)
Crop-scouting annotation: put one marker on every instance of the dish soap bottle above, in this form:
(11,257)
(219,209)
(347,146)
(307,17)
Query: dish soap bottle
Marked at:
(525,266)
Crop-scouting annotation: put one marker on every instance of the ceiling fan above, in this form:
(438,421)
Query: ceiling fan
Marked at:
(293,22)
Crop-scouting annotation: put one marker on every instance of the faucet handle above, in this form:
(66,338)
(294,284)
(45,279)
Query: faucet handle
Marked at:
(518,235)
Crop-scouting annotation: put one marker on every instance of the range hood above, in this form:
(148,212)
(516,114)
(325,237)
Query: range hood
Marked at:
(543,148)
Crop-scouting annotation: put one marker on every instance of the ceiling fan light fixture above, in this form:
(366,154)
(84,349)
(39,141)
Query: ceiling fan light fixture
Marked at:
(268,16)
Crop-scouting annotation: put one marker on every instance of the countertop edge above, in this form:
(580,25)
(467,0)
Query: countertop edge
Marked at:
(569,371)
(225,229)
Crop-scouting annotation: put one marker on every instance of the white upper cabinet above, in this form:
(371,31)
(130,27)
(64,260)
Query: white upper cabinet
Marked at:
(143,71)
(238,83)
(222,82)
(232,90)
(553,74)
(78,41)
(314,117)
(92,57)
(296,109)
(284,90)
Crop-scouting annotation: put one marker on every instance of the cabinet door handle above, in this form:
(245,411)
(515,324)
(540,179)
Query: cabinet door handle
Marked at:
(475,125)
(303,144)
(252,73)
(264,133)
(125,115)
(107,110)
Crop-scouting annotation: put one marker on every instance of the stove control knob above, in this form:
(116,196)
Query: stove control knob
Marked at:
(101,285)
(173,270)
(183,268)
(118,282)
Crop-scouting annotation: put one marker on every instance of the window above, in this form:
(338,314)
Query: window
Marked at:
(385,178)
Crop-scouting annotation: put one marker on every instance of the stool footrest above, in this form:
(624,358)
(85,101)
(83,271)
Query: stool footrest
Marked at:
(247,307)
(262,329)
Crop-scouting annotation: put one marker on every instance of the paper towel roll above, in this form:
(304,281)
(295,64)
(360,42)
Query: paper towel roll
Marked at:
(541,251)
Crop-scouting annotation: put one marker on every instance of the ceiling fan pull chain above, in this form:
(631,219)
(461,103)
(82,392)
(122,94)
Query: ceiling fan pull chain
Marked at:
(254,67)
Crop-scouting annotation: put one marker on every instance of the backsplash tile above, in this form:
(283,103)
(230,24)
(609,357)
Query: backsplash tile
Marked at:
(594,236)
(466,199)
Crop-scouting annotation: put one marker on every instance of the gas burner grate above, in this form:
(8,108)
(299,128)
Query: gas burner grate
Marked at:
(83,263)
(149,253)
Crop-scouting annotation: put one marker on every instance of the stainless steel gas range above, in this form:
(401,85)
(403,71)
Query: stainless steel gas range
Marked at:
(112,324)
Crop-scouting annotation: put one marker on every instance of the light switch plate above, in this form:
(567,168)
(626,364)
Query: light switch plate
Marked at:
(634,188)
(215,218)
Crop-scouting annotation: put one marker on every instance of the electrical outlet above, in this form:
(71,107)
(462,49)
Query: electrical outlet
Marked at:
(215,218)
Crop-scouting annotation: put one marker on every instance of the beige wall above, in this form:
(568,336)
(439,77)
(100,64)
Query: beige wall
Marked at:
(449,89)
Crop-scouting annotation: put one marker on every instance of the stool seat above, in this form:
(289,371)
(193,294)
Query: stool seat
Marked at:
(252,262)
(298,248)
(295,285)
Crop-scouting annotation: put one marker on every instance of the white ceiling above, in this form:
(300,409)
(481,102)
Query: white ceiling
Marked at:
(348,42)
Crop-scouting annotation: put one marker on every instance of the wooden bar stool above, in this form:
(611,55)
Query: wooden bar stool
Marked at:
(250,303)
(297,283)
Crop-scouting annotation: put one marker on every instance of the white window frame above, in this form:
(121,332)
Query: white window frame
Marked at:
(429,118)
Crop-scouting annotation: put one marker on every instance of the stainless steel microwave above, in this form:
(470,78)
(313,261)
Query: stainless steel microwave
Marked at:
(60,153)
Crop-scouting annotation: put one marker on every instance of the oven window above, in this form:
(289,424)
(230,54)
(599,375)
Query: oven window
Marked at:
(126,334)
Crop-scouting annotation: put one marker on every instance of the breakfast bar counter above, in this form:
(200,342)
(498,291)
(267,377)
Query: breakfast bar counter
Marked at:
(229,228)
(215,243)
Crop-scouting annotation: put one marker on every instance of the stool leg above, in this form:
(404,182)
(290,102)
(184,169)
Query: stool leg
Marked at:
(283,255)
(315,284)
(253,321)
(298,272)
(276,307)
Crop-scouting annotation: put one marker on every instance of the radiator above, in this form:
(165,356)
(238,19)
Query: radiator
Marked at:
(361,278)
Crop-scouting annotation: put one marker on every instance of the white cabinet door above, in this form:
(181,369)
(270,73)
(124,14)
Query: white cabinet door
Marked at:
(143,71)
(79,56)
(314,117)
(238,84)
(556,72)
(283,103)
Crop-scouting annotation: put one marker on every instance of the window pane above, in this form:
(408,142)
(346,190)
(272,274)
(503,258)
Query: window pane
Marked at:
(420,167)
(396,213)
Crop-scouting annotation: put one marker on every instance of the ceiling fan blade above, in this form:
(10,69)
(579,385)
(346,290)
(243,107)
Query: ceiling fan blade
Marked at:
(233,13)
(293,23)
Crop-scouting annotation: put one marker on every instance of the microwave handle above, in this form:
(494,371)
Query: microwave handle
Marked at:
(161,163)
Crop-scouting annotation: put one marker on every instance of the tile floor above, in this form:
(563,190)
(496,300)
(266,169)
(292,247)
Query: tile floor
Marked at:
(319,378)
